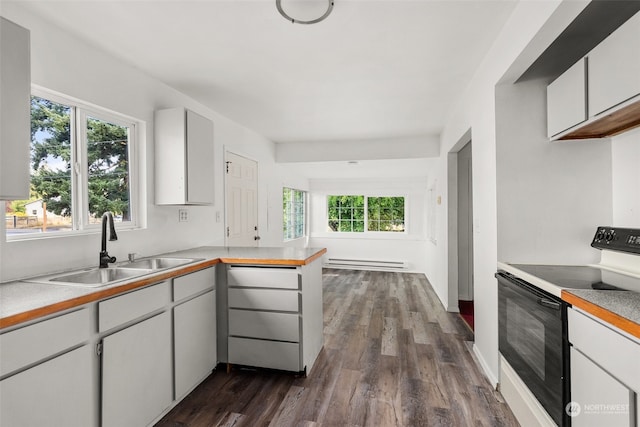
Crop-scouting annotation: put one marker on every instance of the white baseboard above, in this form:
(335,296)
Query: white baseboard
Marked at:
(491,376)
(524,405)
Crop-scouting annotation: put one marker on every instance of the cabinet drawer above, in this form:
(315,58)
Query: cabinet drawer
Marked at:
(191,284)
(265,354)
(121,309)
(24,346)
(615,353)
(264,299)
(263,277)
(259,324)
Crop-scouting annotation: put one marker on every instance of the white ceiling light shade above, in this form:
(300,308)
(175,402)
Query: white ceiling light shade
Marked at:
(302,21)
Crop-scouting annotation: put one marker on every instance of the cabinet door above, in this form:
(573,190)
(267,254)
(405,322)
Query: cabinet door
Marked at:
(137,373)
(600,400)
(194,341)
(199,159)
(566,99)
(614,68)
(59,392)
(15,89)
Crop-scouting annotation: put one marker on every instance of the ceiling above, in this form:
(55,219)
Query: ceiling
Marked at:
(371,70)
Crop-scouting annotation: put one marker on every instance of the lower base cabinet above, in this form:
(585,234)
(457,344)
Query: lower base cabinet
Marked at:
(44,394)
(137,373)
(601,400)
(195,341)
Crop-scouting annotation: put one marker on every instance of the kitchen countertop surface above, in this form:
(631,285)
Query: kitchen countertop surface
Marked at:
(26,299)
(619,308)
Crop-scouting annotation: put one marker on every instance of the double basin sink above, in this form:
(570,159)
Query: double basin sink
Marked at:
(97,277)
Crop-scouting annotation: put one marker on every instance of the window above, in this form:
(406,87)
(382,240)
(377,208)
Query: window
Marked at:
(348,213)
(81,166)
(293,208)
(385,214)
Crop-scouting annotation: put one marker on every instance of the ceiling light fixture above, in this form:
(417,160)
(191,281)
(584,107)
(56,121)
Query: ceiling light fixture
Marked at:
(297,21)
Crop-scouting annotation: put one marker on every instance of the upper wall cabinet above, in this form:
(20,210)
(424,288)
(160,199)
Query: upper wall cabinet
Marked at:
(566,99)
(614,68)
(184,158)
(612,89)
(15,91)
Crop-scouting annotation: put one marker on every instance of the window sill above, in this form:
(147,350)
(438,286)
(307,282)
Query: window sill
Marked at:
(367,236)
(63,234)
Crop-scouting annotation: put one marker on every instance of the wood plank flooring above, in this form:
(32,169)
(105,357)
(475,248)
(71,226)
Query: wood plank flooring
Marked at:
(392,357)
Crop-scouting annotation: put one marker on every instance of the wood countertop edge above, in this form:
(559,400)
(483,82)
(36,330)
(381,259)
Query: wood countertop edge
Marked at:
(272,261)
(36,313)
(616,320)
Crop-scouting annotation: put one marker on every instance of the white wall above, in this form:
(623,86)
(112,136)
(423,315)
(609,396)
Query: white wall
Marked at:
(626,179)
(389,247)
(63,63)
(530,29)
(551,196)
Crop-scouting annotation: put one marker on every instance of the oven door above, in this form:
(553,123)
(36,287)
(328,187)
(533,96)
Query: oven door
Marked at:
(532,338)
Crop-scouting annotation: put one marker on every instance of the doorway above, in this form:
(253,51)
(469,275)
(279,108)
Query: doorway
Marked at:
(465,234)
(241,201)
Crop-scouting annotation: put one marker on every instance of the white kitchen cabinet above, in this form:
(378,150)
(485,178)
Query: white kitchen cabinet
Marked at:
(137,381)
(184,158)
(566,99)
(274,316)
(614,68)
(137,371)
(195,352)
(48,373)
(15,91)
(605,372)
(58,392)
(601,399)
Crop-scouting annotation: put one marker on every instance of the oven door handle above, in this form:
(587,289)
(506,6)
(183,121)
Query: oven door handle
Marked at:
(549,304)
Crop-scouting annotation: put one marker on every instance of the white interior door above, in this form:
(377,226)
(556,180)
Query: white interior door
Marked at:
(241,202)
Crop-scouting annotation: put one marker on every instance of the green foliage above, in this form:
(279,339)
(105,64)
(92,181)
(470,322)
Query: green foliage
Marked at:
(18,207)
(346,213)
(385,214)
(107,161)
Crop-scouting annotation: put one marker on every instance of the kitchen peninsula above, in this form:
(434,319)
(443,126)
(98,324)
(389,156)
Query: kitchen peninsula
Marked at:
(167,329)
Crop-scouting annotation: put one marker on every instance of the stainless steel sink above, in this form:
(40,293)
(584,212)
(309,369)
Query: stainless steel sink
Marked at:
(97,277)
(100,276)
(158,263)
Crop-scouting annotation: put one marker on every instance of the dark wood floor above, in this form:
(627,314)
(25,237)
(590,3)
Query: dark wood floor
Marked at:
(392,357)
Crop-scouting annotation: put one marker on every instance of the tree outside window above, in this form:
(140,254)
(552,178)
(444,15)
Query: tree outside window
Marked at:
(350,213)
(64,197)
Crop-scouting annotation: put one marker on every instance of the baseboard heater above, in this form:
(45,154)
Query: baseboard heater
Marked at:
(366,263)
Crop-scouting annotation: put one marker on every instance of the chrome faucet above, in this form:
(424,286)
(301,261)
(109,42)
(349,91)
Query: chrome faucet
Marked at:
(105,259)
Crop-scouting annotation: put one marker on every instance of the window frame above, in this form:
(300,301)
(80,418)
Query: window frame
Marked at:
(80,111)
(292,222)
(366,231)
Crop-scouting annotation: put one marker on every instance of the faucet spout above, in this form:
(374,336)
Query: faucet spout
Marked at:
(105,259)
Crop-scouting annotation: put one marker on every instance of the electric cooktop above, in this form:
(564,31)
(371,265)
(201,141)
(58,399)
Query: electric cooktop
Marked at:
(581,277)
(621,245)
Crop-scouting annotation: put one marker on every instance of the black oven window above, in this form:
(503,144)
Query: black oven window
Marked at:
(526,333)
